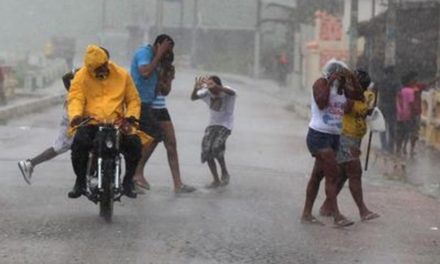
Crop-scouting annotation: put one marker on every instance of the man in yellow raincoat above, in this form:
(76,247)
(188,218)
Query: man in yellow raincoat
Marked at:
(104,91)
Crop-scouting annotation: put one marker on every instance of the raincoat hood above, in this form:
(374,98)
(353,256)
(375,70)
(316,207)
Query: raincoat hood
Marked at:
(94,57)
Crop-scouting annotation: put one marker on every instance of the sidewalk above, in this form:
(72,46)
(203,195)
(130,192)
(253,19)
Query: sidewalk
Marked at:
(26,102)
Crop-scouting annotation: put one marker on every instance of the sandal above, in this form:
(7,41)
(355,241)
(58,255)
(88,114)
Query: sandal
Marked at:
(141,188)
(311,220)
(213,185)
(370,216)
(225,180)
(343,223)
(185,189)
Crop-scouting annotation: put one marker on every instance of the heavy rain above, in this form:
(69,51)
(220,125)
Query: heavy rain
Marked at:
(220,131)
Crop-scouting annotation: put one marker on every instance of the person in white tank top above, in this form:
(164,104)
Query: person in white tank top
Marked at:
(328,120)
(323,138)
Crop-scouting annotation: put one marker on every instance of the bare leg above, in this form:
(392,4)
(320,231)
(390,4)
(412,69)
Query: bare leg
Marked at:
(413,144)
(213,169)
(399,142)
(146,154)
(171,147)
(312,191)
(354,173)
(404,146)
(330,167)
(326,209)
(225,173)
(43,156)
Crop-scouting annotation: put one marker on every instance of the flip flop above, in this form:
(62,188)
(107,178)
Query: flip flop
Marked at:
(370,216)
(213,185)
(225,180)
(141,188)
(343,223)
(311,221)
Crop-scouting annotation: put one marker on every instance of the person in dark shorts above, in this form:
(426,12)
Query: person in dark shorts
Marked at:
(354,128)
(153,72)
(221,102)
(323,138)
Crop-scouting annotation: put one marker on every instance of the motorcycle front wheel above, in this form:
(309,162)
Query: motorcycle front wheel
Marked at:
(106,197)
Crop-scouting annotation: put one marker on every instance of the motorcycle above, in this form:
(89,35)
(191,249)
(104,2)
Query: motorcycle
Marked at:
(103,177)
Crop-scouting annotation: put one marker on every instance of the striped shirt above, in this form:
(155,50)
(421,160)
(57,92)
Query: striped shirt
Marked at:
(159,102)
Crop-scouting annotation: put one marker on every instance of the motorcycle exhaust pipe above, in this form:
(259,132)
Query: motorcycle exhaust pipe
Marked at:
(99,173)
(117,163)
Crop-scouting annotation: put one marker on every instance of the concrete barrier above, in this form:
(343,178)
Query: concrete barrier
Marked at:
(30,106)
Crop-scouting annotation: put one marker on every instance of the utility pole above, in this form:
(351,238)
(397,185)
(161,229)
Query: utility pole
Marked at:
(353,50)
(159,16)
(182,12)
(373,8)
(390,35)
(257,42)
(372,46)
(438,50)
(104,14)
(181,22)
(195,25)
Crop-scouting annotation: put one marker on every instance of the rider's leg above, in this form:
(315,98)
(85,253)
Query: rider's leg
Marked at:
(82,144)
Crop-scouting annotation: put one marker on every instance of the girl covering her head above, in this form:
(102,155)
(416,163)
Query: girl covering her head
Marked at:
(333,66)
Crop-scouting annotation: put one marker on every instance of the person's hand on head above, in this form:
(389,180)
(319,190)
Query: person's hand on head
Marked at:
(164,47)
(199,82)
(336,76)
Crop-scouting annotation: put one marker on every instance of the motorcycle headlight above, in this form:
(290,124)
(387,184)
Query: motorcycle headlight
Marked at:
(109,143)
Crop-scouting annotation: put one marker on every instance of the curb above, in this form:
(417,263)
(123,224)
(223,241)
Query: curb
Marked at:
(32,106)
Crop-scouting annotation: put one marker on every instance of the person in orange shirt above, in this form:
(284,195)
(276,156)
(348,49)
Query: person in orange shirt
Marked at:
(106,92)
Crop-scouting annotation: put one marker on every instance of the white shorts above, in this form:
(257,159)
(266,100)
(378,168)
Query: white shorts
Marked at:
(63,141)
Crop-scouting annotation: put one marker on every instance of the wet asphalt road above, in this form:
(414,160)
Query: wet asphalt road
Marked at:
(253,220)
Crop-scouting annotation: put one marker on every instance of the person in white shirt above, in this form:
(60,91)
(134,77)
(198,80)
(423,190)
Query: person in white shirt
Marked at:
(61,144)
(327,107)
(221,102)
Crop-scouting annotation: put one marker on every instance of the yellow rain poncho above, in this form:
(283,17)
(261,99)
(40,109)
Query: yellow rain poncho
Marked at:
(103,99)
(354,123)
